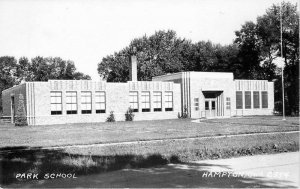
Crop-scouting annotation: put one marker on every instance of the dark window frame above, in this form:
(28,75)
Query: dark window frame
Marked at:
(168,101)
(56,112)
(239,100)
(72,103)
(156,102)
(100,94)
(264,99)
(248,102)
(228,103)
(86,111)
(145,101)
(135,109)
(256,100)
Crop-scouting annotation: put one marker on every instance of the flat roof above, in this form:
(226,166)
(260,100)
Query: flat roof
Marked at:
(205,73)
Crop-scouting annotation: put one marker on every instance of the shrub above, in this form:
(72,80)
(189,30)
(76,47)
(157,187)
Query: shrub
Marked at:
(21,119)
(111,117)
(129,114)
(184,114)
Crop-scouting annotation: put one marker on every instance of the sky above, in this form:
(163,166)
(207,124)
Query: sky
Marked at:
(85,31)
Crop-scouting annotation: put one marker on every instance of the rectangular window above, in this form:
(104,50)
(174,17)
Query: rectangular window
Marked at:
(239,100)
(86,102)
(196,102)
(206,105)
(256,99)
(71,102)
(133,100)
(213,105)
(145,101)
(56,103)
(264,99)
(157,101)
(168,101)
(100,104)
(228,104)
(247,99)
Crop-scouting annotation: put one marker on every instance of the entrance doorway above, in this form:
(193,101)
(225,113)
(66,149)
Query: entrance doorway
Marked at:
(13,111)
(210,107)
(213,104)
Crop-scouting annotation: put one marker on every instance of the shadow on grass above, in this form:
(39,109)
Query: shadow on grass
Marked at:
(89,170)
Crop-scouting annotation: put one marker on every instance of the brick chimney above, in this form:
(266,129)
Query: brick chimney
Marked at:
(133,66)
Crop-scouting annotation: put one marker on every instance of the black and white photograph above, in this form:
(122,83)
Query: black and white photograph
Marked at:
(149,94)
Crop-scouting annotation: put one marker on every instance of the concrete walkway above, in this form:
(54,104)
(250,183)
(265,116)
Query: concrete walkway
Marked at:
(275,170)
(154,141)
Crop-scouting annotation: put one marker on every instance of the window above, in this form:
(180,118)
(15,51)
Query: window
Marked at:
(168,101)
(228,105)
(71,101)
(145,101)
(157,101)
(196,102)
(133,100)
(247,100)
(256,99)
(206,105)
(213,105)
(86,102)
(264,99)
(100,102)
(239,100)
(56,103)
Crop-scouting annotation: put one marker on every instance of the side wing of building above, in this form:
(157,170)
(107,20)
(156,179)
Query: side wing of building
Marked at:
(84,101)
(217,94)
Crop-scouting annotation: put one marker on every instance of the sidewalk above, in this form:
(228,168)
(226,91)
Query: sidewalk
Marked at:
(275,170)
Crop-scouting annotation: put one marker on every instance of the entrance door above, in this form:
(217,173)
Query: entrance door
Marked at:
(210,108)
(13,109)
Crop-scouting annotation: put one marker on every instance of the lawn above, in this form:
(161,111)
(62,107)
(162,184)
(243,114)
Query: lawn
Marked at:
(100,159)
(91,133)
(16,157)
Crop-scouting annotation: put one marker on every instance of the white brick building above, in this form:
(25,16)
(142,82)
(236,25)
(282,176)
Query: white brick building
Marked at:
(200,94)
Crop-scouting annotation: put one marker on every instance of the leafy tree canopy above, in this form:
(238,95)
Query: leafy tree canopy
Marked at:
(38,69)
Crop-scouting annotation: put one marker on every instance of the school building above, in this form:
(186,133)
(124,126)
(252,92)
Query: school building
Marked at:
(199,94)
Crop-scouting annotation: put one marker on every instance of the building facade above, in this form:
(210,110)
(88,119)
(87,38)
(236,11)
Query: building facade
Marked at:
(198,94)
(84,101)
(217,94)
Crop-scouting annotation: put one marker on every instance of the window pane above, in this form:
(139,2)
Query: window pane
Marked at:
(227,103)
(239,100)
(256,99)
(145,101)
(56,103)
(168,100)
(247,100)
(73,107)
(213,105)
(206,105)
(264,98)
(133,100)
(102,107)
(157,100)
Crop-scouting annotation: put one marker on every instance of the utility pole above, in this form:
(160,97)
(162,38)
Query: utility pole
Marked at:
(282,68)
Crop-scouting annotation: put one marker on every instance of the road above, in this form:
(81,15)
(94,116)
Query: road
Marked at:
(275,170)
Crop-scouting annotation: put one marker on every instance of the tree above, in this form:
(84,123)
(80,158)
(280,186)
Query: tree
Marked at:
(21,119)
(268,27)
(249,52)
(251,56)
(13,72)
(259,44)
(43,69)
(163,52)
(8,70)
(158,54)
